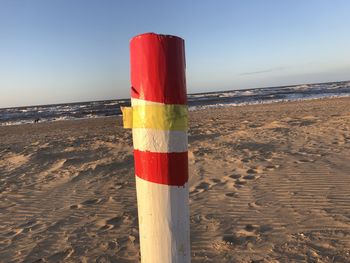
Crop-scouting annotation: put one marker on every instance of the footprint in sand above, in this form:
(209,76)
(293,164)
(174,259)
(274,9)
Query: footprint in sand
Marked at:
(231,239)
(75,206)
(91,202)
(245,160)
(106,227)
(250,233)
(235,195)
(251,171)
(253,205)
(115,221)
(235,176)
(250,177)
(250,228)
(216,181)
(264,229)
(203,186)
(256,229)
(241,238)
(239,183)
(271,167)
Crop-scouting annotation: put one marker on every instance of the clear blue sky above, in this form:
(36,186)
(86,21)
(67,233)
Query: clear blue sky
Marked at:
(55,51)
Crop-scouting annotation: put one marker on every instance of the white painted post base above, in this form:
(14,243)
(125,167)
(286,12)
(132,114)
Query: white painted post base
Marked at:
(164,222)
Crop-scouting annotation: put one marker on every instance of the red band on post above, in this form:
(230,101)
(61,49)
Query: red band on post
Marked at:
(162,168)
(158,68)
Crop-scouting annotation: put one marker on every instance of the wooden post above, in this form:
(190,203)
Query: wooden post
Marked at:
(159,121)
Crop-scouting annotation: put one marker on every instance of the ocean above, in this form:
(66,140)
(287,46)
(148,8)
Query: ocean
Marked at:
(95,109)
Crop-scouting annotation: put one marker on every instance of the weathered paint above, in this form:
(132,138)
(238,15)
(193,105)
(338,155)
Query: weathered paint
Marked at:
(159,141)
(164,222)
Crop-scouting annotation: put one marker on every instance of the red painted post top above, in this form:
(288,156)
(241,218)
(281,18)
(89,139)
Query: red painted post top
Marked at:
(158,68)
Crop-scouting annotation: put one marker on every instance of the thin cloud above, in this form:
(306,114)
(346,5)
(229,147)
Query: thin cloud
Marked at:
(262,71)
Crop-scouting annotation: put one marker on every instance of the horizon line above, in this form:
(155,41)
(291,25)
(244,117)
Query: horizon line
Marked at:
(195,93)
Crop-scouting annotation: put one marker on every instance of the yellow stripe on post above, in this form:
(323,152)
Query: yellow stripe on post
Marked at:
(158,117)
(127,117)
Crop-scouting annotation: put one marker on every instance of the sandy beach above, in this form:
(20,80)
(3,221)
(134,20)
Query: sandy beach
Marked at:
(268,183)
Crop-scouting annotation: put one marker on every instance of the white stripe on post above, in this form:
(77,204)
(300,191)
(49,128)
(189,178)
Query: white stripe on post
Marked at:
(163,239)
(159,141)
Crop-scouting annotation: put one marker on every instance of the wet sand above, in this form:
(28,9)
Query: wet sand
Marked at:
(268,183)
